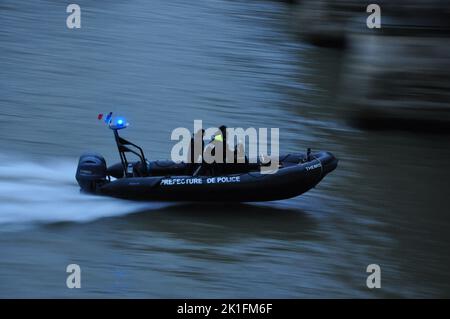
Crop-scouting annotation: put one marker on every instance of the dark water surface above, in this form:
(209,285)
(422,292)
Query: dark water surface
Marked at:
(164,64)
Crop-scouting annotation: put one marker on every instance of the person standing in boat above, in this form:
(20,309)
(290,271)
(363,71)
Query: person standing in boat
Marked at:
(220,145)
(218,148)
(195,156)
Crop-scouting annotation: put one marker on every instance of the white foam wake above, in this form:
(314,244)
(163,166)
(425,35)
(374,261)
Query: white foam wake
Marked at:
(48,192)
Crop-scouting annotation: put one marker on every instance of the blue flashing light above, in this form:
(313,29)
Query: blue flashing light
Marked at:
(118,123)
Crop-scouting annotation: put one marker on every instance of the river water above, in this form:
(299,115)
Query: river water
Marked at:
(164,64)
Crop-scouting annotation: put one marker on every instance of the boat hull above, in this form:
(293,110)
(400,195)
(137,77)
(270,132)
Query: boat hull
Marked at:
(294,178)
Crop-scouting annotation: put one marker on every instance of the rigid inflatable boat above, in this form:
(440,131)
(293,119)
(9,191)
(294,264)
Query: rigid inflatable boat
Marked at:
(178,181)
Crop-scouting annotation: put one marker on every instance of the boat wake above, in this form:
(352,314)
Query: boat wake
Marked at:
(46,192)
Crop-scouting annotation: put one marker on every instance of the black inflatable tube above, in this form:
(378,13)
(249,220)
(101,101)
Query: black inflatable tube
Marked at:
(294,178)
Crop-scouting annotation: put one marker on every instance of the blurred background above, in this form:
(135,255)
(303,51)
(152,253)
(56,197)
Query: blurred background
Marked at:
(377,98)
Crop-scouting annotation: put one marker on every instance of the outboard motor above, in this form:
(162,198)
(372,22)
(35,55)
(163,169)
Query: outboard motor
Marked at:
(91,172)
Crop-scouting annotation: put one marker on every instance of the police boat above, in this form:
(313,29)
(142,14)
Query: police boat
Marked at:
(166,180)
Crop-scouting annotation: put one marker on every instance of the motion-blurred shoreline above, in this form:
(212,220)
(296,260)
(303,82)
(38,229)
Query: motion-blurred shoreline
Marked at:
(394,77)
